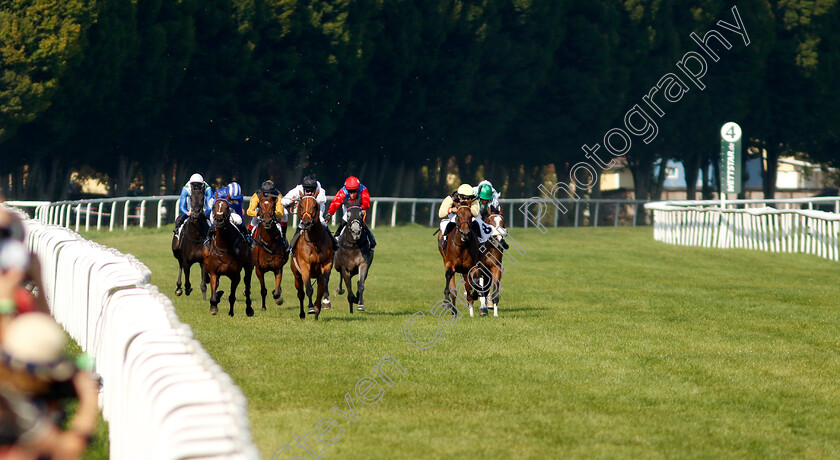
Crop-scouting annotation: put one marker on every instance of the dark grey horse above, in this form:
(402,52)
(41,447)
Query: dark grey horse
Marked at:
(353,257)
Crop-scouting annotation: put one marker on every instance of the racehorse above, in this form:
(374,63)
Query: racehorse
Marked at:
(353,257)
(226,254)
(270,251)
(492,270)
(187,245)
(460,255)
(313,256)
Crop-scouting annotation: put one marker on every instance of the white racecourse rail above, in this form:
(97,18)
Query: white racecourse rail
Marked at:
(706,224)
(163,396)
(104,211)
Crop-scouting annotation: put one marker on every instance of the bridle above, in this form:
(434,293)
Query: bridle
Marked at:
(306,217)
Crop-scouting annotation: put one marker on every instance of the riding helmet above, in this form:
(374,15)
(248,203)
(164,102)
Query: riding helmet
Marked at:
(466,190)
(196,178)
(485,192)
(309,183)
(352,183)
(267,187)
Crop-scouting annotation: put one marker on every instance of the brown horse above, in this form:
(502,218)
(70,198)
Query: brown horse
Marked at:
(270,251)
(187,245)
(227,254)
(460,255)
(492,268)
(313,255)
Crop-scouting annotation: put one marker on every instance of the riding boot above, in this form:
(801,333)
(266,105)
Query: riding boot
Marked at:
(332,237)
(210,231)
(283,233)
(442,243)
(504,244)
(371,239)
(340,228)
(293,243)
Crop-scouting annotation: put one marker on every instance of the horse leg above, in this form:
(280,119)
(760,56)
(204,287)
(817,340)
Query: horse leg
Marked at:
(299,287)
(178,290)
(469,291)
(363,269)
(234,283)
(263,290)
(340,287)
(323,281)
(326,296)
(497,289)
(346,278)
(214,300)
(450,285)
(248,310)
(278,290)
(482,296)
(204,277)
(187,285)
(308,286)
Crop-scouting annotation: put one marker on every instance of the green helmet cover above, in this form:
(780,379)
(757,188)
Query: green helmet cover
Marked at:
(485,192)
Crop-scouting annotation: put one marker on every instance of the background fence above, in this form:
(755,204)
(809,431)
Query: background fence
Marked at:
(794,225)
(157,211)
(163,395)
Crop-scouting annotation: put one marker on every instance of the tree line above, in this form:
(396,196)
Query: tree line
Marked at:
(405,94)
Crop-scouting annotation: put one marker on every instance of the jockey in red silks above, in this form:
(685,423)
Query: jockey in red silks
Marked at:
(352,194)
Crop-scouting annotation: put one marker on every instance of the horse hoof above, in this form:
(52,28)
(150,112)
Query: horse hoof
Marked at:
(325,302)
(249,311)
(214,311)
(360,307)
(302,316)
(311,311)
(230,313)
(188,291)
(279,300)
(263,308)
(178,292)
(339,292)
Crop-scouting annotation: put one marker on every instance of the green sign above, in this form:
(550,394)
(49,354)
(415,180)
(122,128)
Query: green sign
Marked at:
(730,158)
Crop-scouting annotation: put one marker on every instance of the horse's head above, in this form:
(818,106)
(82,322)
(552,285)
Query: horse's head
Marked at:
(463,221)
(196,201)
(497,221)
(355,222)
(267,207)
(220,213)
(307,212)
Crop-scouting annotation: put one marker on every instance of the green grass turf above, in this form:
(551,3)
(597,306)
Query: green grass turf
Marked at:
(609,345)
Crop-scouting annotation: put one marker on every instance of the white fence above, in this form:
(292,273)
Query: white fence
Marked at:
(135,211)
(163,395)
(754,225)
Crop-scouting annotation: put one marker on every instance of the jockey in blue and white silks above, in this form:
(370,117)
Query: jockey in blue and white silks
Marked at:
(232,193)
(184,200)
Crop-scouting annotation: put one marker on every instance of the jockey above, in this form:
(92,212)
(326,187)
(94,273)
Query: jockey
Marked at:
(184,201)
(309,186)
(267,189)
(448,209)
(488,198)
(233,195)
(352,194)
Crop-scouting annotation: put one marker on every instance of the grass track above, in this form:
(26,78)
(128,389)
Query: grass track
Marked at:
(609,345)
